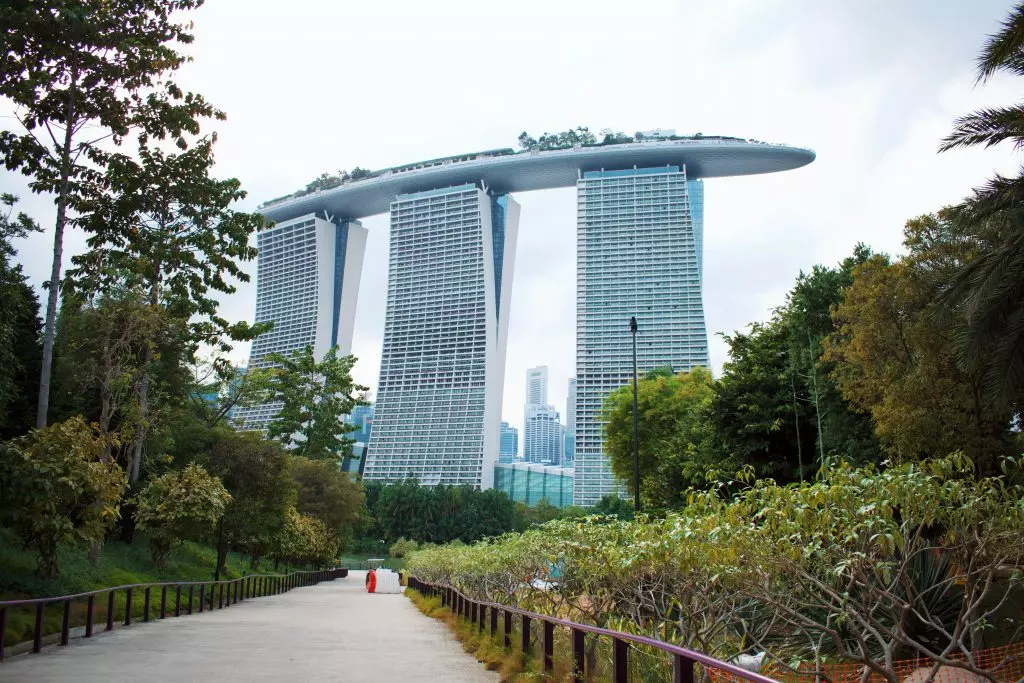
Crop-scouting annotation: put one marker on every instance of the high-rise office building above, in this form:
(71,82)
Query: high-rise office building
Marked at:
(508,450)
(543,435)
(537,386)
(639,237)
(307,282)
(442,370)
(570,407)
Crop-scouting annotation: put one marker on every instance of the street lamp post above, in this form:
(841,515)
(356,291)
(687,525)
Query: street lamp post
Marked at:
(636,425)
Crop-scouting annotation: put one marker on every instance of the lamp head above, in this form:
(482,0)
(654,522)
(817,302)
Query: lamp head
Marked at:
(632,324)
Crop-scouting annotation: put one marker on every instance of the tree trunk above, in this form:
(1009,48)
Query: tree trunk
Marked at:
(140,435)
(43,406)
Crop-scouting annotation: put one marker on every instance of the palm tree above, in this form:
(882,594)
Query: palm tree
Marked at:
(989,289)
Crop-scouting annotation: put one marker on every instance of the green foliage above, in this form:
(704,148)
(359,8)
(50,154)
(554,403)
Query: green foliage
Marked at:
(55,487)
(328,494)
(433,514)
(98,366)
(403,547)
(255,472)
(19,328)
(180,505)
(581,135)
(83,77)
(314,397)
(988,289)
(304,540)
(220,386)
(165,226)
(895,353)
(859,566)
(612,505)
(676,449)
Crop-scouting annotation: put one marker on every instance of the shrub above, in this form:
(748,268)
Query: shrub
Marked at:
(403,547)
(178,506)
(57,487)
(862,566)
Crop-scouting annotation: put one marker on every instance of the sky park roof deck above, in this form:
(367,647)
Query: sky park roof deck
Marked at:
(505,171)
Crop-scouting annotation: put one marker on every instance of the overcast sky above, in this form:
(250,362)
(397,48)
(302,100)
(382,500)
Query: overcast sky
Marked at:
(871,86)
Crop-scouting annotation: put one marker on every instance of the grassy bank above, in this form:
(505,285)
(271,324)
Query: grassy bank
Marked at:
(118,564)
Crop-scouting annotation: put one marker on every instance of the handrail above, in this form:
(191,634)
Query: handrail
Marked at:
(230,591)
(72,596)
(684,659)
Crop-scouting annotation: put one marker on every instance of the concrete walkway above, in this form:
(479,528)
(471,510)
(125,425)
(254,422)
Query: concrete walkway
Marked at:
(331,632)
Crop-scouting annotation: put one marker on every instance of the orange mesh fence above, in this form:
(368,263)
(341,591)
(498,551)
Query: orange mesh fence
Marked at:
(1007,664)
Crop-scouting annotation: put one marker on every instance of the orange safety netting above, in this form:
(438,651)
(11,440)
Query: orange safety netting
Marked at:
(1006,664)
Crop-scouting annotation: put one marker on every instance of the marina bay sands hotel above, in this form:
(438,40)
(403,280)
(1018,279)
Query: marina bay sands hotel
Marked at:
(640,225)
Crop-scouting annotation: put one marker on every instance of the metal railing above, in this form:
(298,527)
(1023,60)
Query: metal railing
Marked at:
(480,612)
(224,593)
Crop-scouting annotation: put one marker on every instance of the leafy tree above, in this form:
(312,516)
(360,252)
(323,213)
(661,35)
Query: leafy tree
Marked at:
(99,365)
(166,227)
(581,135)
(177,506)
(19,328)
(219,387)
(613,505)
(326,493)
(895,353)
(676,449)
(758,419)
(807,317)
(304,540)
(255,472)
(1002,52)
(82,76)
(314,397)
(55,488)
(989,289)
(438,514)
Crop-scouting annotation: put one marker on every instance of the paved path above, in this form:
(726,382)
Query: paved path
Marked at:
(331,632)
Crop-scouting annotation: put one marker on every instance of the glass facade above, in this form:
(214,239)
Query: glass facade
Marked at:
(509,448)
(529,484)
(443,358)
(639,236)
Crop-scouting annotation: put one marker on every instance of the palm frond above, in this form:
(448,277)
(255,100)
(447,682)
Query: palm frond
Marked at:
(987,127)
(997,195)
(1004,49)
(1004,376)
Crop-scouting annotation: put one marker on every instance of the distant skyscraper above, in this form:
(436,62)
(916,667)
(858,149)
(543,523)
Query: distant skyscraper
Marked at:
(509,449)
(307,281)
(362,419)
(543,440)
(442,369)
(639,240)
(537,386)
